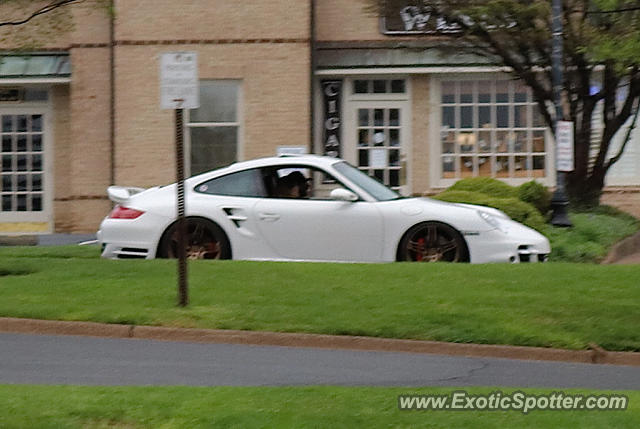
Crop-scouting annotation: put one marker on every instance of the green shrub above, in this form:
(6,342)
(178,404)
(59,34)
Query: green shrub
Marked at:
(519,211)
(514,208)
(485,185)
(468,197)
(537,195)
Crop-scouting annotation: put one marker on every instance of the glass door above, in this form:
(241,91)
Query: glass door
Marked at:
(378,142)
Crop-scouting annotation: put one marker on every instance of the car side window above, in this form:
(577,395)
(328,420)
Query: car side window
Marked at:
(300,181)
(247,183)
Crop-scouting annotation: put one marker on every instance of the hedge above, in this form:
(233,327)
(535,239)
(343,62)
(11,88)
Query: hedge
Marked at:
(514,208)
(531,192)
(485,185)
(537,195)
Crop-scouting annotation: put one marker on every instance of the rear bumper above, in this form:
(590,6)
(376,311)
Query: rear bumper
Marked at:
(124,251)
(130,239)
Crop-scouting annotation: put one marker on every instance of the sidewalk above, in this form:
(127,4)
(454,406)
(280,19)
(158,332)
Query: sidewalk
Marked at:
(626,251)
(45,239)
(631,259)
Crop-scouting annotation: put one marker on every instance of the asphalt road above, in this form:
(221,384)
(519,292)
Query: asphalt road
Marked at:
(39,359)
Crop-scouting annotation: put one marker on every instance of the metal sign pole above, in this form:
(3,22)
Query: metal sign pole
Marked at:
(183,288)
(559,201)
(179,90)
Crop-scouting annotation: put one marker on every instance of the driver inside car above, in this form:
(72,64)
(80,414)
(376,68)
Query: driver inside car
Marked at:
(293,185)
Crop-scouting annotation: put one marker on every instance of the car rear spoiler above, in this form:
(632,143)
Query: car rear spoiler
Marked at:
(121,194)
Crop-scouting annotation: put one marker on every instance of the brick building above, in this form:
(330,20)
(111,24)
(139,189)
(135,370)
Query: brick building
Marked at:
(83,112)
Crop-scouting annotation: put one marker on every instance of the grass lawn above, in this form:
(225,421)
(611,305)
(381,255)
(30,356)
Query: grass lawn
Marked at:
(550,305)
(248,407)
(592,235)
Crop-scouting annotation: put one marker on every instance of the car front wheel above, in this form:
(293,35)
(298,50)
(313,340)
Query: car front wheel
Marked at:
(204,240)
(433,242)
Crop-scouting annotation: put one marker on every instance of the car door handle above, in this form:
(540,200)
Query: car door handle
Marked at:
(269,217)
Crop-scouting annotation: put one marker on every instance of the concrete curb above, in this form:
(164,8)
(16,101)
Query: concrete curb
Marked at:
(48,327)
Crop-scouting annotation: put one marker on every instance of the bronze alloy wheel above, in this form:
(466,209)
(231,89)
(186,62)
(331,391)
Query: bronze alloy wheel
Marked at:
(204,240)
(433,242)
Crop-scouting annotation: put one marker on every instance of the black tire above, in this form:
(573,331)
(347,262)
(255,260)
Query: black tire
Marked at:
(204,240)
(433,242)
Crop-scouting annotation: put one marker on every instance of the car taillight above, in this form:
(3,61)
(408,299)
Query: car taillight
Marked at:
(119,212)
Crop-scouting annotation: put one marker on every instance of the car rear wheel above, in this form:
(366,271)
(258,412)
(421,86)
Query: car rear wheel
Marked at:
(433,242)
(204,240)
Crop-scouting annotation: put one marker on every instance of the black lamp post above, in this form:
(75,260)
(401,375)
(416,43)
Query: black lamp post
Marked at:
(559,201)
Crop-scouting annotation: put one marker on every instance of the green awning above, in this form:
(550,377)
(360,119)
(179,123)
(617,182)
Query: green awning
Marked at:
(395,53)
(37,65)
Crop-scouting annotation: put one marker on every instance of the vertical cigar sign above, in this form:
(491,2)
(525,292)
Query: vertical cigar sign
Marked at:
(331,90)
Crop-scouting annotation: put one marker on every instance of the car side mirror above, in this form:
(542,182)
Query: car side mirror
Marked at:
(341,194)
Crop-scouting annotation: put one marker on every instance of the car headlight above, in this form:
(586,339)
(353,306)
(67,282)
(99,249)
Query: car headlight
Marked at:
(492,220)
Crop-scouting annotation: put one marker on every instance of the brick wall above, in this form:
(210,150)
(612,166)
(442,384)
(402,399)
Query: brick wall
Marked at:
(88,163)
(80,23)
(342,20)
(274,104)
(79,111)
(211,19)
(420,134)
(61,151)
(349,20)
(264,45)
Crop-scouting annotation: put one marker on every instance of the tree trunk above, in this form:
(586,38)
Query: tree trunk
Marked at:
(585,191)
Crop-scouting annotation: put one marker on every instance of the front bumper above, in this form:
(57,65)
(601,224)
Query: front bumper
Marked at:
(519,244)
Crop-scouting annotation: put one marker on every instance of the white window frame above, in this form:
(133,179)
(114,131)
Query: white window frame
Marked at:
(45,215)
(435,147)
(239,123)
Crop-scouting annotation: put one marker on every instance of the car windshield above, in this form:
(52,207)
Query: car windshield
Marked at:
(374,188)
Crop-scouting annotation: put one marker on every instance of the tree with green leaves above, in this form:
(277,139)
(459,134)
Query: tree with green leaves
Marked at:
(601,70)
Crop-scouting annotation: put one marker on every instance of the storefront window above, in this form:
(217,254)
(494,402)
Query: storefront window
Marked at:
(490,128)
(214,127)
(379,86)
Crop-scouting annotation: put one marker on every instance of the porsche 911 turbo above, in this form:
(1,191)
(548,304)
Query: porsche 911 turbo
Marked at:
(308,208)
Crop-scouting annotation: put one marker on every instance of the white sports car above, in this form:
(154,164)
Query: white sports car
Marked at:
(309,208)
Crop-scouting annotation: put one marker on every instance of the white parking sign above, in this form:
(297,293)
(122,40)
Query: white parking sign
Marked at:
(179,80)
(564,146)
